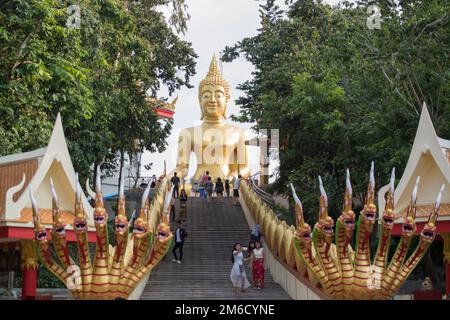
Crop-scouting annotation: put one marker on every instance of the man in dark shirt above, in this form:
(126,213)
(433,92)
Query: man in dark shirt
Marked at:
(179,237)
(176,185)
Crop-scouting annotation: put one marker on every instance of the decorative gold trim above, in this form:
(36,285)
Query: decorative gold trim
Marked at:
(29,257)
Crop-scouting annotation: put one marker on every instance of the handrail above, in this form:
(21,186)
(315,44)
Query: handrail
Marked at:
(265,196)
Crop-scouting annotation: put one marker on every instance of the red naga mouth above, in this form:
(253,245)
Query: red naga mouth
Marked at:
(427,234)
(162,234)
(120,227)
(328,229)
(306,235)
(369,216)
(407,228)
(41,235)
(349,223)
(138,230)
(60,231)
(80,226)
(99,219)
(388,221)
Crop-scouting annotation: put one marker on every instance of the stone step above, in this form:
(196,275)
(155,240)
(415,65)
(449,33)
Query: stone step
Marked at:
(205,272)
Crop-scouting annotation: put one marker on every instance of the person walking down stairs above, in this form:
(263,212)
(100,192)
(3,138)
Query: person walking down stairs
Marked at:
(180,236)
(238,275)
(183,206)
(236,186)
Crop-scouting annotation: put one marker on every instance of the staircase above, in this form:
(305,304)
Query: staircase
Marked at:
(205,272)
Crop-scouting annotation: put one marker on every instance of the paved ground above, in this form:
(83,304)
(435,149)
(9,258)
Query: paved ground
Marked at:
(205,271)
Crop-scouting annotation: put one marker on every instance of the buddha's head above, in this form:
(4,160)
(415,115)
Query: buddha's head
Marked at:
(214,93)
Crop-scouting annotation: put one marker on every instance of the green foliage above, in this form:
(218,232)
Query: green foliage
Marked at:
(89,75)
(341,94)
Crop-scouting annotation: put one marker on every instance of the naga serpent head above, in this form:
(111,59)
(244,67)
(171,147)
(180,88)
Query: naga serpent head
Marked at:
(429,230)
(369,211)
(409,225)
(39,230)
(303,232)
(59,227)
(121,225)
(163,233)
(100,214)
(347,217)
(325,224)
(79,222)
(121,221)
(141,228)
(388,217)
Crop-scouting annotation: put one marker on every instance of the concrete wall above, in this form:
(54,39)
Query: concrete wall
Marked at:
(284,277)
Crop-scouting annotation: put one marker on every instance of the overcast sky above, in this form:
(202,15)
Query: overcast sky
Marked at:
(214,24)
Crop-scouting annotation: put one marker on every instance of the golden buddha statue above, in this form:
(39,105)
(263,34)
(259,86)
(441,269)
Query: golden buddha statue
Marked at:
(219,148)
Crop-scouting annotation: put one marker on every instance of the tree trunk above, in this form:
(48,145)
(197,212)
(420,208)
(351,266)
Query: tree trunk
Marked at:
(138,166)
(96,164)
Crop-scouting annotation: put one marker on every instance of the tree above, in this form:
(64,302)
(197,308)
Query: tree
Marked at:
(342,94)
(89,75)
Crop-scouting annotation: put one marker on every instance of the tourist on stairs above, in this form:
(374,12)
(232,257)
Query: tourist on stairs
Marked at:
(180,236)
(236,186)
(258,266)
(227,187)
(183,206)
(176,185)
(219,190)
(209,186)
(256,234)
(238,276)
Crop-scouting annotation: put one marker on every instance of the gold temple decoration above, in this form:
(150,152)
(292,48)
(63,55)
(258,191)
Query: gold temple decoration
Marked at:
(324,255)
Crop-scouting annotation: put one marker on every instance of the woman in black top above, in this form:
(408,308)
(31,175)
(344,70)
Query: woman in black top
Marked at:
(219,190)
(183,199)
(227,187)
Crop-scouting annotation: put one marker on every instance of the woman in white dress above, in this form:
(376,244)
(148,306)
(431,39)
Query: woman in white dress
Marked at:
(238,275)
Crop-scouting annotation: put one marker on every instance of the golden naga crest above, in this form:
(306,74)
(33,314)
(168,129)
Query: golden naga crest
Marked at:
(347,273)
(115,272)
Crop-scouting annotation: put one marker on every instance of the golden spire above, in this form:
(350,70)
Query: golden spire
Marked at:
(348,196)
(35,209)
(432,219)
(390,196)
(298,208)
(79,210)
(323,211)
(370,199)
(411,212)
(121,201)
(215,77)
(55,203)
(98,190)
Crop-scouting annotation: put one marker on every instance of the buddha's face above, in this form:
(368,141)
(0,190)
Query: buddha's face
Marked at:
(213,101)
